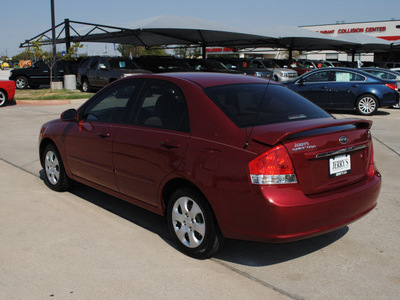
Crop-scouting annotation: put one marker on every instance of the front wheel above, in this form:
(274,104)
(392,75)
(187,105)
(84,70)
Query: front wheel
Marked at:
(3,98)
(397,106)
(55,175)
(21,83)
(367,105)
(192,224)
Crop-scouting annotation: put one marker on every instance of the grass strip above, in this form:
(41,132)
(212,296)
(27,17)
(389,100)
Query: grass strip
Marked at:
(45,94)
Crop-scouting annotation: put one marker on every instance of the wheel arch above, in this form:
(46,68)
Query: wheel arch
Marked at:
(174,184)
(43,144)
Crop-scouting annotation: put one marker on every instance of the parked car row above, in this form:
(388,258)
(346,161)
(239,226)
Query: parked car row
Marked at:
(346,88)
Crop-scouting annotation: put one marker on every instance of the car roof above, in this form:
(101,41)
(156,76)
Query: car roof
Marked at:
(205,79)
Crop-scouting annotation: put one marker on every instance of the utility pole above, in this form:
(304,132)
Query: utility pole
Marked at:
(53,32)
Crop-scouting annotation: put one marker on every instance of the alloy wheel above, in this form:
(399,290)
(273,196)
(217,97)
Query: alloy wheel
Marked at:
(52,167)
(188,222)
(367,105)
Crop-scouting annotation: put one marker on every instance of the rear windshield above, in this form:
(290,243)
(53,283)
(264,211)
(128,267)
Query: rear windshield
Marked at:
(250,105)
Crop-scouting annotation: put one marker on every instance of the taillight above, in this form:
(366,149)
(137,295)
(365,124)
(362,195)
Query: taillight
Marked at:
(393,86)
(272,167)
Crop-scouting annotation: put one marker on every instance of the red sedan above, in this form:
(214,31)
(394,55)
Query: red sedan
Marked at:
(220,155)
(7,91)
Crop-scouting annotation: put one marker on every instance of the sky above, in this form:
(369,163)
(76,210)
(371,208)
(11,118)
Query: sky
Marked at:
(25,19)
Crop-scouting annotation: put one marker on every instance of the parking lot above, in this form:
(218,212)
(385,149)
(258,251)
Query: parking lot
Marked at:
(84,244)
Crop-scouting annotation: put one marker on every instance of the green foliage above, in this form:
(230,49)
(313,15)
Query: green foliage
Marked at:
(72,51)
(192,52)
(135,51)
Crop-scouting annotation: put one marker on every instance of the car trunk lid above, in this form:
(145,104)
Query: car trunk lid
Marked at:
(326,153)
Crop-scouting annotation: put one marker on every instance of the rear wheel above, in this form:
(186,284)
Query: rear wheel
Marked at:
(86,86)
(367,105)
(192,224)
(3,98)
(55,176)
(21,83)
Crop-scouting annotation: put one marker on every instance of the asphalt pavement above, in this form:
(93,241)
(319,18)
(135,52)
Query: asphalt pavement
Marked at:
(84,244)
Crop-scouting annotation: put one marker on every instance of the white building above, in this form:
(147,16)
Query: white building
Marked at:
(387,30)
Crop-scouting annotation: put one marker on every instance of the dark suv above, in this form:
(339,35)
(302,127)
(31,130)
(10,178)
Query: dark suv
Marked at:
(39,74)
(97,72)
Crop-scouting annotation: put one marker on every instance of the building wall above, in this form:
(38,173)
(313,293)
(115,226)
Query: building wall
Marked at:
(387,30)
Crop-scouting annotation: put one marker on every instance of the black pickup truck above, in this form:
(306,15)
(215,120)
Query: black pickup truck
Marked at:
(39,74)
(97,72)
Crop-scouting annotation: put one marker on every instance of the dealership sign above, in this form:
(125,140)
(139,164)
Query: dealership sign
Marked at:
(354,30)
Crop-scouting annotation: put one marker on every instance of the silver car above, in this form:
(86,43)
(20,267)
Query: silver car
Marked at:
(278,73)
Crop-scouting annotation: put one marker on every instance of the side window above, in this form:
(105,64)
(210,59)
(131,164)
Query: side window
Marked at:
(347,76)
(93,64)
(111,105)
(318,77)
(163,106)
(103,65)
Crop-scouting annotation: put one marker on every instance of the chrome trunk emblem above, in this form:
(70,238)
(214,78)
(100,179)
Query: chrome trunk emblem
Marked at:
(343,139)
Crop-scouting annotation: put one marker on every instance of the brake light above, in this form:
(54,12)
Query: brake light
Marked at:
(272,167)
(393,86)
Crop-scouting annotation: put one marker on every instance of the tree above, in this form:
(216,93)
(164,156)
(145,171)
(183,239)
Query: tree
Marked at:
(185,52)
(135,51)
(50,59)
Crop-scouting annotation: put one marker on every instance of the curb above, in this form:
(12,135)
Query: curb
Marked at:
(49,102)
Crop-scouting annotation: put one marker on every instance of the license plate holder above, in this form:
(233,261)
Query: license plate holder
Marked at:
(339,165)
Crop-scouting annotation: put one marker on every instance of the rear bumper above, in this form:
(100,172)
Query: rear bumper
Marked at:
(285,214)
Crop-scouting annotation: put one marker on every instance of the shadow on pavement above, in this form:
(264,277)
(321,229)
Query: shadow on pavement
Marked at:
(235,251)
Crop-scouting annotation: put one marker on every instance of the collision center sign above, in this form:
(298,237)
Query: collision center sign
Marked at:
(354,30)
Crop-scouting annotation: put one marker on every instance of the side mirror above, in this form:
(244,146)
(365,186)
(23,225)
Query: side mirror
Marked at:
(300,81)
(69,115)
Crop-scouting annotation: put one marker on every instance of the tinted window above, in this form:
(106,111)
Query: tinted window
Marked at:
(383,75)
(163,106)
(343,76)
(318,76)
(260,104)
(111,105)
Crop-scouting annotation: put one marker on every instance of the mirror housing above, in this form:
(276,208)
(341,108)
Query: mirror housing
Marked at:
(300,81)
(69,115)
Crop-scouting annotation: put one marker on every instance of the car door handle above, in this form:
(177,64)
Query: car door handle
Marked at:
(355,85)
(104,135)
(324,87)
(169,144)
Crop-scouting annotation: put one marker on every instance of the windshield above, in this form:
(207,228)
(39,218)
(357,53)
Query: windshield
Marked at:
(270,64)
(261,104)
(123,64)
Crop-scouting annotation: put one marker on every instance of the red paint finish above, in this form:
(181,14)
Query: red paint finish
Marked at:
(138,161)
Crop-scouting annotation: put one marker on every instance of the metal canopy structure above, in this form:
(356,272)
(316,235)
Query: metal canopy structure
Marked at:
(159,31)
(175,30)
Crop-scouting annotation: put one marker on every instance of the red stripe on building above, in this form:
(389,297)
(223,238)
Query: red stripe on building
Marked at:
(390,38)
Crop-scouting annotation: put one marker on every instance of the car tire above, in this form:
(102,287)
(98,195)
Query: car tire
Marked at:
(192,224)
(397,106)
(86,86)
(276,78)
(3,98)
(367,105)
(55,176)
(21,83)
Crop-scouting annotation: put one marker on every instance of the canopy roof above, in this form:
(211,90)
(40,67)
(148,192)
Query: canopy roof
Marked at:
(175,30)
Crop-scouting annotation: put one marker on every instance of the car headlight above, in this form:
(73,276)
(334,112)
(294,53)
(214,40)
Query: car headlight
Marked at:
(284,74)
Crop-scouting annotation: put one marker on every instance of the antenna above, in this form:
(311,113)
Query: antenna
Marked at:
(258,112)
